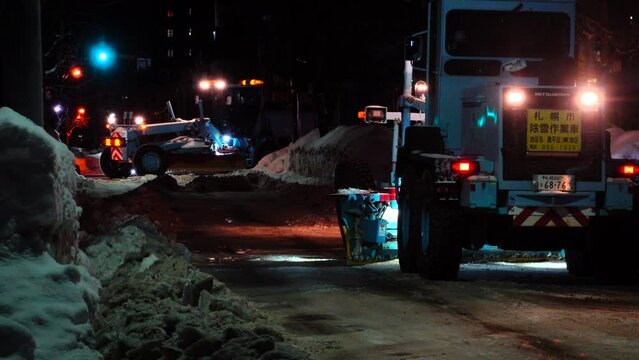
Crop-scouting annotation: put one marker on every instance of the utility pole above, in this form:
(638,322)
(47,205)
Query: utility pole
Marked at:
(21,61)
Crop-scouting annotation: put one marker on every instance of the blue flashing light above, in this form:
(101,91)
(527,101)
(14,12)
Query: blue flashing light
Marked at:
(226,139)
(491,114)
(481,121)
(102,56)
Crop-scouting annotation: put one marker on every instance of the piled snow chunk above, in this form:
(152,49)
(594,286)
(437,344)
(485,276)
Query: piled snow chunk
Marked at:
(624,144)
(38,182)
(276,162)
(109,251)
(316,157)
(155,304)
(45,308)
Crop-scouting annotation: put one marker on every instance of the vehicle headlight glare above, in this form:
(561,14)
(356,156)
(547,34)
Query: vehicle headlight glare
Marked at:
(515,97)
(589,99)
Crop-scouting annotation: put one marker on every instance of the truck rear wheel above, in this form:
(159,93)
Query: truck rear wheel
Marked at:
(409,224)
(579,260)
(111,168)
(150,160)
(615,248)
(438,244)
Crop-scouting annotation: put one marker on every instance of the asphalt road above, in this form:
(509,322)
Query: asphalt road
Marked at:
(494,311)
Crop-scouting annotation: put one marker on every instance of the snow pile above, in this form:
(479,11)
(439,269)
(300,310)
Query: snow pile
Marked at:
(38,182)
(218,183)
(45,308)
(155,304)
(624,144)
(151,199)
(315,157)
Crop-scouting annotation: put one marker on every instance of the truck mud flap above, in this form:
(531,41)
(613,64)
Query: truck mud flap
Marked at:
(541,216)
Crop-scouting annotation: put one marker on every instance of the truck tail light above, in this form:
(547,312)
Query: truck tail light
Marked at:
(464,167)
(629,170)
(391,195)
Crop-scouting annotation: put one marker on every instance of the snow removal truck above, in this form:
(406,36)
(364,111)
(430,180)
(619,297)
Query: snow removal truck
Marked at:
(152,148)
(512,152)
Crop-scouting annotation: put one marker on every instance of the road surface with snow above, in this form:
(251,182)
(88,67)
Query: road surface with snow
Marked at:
(279,246)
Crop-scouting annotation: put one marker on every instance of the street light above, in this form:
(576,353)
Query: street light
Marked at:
(219,84)
(139,120)
(76,72)
(205,85)
(57,109)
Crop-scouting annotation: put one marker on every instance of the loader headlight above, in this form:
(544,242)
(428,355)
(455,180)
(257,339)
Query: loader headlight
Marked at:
(421,88)
(589,99)
(515,97)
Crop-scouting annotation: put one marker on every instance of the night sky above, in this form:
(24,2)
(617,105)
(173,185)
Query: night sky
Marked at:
(348,52)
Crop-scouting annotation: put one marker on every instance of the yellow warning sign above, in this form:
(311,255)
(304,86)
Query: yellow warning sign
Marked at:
(554,130)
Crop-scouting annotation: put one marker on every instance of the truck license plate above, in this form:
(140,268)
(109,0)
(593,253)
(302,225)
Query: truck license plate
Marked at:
(563,183)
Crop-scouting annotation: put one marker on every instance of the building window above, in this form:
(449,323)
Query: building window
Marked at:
(190,11)
(214,35)
(190,31)
(169,53)
(190,52)
(169,33)
(143,64)
(169,13)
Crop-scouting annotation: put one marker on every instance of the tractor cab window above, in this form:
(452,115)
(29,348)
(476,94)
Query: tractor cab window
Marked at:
(518,34)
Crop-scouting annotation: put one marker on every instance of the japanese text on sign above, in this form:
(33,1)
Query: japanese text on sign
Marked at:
(554,130)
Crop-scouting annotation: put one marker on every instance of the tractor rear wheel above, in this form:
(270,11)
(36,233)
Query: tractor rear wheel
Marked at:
(113,169)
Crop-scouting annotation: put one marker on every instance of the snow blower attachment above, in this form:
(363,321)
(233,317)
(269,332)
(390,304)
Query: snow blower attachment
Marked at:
(368,223)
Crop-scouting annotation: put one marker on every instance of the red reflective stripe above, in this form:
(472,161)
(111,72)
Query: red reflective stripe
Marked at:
(579,216)
(116,153)
(551,215)
(519,219)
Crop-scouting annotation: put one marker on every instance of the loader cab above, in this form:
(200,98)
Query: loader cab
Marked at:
(477,46)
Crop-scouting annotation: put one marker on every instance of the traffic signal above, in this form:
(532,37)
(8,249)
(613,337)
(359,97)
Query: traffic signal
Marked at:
(102,56)
(76,72)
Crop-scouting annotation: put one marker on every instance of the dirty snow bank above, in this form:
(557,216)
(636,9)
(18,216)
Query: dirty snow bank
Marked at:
(38,182)
(312,159)
(154,303)
(151,199)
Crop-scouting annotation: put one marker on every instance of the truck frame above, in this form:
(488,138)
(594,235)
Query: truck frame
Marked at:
(513,153)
